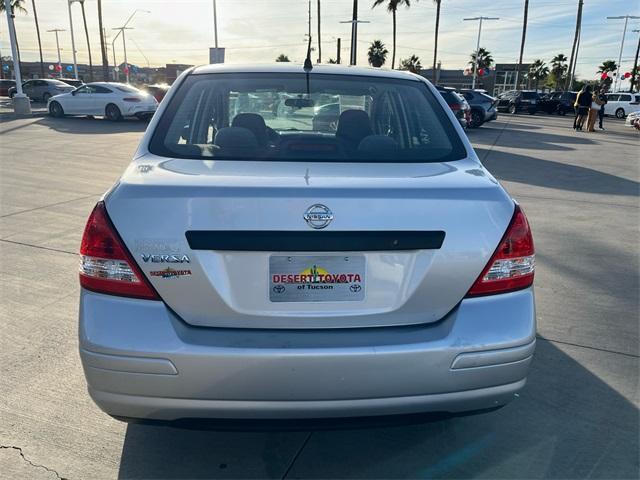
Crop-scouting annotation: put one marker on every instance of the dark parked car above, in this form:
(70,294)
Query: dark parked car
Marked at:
(557,102)
(483,107)
(514,101)
(5,85)
(458,104)
(41,90)
(158,91)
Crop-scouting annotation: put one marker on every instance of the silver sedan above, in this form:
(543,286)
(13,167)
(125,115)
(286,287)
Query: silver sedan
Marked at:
(249,266)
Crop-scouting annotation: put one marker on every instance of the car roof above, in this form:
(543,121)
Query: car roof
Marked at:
(288,67)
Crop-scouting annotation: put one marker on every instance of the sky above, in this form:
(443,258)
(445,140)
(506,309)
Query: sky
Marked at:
(181,31)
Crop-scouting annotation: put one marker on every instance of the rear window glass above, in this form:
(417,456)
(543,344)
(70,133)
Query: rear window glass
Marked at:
(295,117)
(127,89)
(57,82)
(529,95)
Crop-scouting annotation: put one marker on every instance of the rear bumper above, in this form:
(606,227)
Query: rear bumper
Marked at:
(142,362)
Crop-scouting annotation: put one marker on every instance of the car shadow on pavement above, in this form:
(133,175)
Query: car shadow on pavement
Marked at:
(512,167)
(88,125)
(567,423)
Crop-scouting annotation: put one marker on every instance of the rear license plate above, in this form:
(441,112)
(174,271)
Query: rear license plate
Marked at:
(316,278)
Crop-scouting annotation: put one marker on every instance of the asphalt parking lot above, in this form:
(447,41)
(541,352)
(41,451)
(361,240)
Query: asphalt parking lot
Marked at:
(577,418)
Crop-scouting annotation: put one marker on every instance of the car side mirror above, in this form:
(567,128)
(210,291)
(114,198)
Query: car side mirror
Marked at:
(74,93)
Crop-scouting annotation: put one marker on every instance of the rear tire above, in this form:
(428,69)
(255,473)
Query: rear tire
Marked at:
(477,119)
(512,109)
(56,110)
(112,112)
(620,113)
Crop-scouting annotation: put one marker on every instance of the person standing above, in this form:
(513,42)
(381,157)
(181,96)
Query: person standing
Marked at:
(603,102)
(584,104)
(576,104)
(593,111)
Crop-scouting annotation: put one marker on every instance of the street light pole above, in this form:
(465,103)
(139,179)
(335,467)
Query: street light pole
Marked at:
(56,30)
(475,66)
(624,32)
(21,104)
(124,46)
(113,48)
(73,41)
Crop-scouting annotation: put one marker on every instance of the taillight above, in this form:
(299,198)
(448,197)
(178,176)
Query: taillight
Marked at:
(455,106)
(106,266)
(131,99)
(512,265)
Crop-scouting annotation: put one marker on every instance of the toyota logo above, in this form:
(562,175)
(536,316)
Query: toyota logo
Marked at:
(318,216)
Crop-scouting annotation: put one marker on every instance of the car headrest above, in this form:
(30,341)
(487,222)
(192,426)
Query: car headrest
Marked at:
(380,145)
(236,141)
(254,123)
(354,125)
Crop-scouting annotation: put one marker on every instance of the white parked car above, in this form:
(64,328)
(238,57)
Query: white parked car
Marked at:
(113,100)
(632,119)
(622,104)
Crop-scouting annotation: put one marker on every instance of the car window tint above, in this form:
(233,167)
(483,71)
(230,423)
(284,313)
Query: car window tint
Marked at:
(282,117)
(100,89)
(612,97)
(625,98)
(127,89)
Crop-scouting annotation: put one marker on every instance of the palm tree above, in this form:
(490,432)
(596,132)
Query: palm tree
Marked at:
(282,58)
(559,68)
(537,71)
(392,7)
(16,6)
(485,60)
(435,43)
(574,52)
(608,66)
(103,47)
(86,32)
(377,53)
(411,64)
(35,19)
(524,36)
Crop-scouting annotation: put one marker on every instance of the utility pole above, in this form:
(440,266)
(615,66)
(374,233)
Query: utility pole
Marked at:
(574,48)
(215,25)
(73,41)
(624,32)
(354,33)
(338,59)
(21,103)
(319,41)
(475,66)
(524,34)
(634,72)
(56,30)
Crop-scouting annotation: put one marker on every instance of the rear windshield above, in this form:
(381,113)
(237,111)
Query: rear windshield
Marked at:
(127,89)
(295,117)
(529,95)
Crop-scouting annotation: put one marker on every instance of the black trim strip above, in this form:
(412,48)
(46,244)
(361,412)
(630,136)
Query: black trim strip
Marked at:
(293,241)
